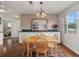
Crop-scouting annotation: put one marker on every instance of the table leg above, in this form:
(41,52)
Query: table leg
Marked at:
(55,49)
(27,49)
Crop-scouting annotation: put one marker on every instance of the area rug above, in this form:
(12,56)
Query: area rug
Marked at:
(60,53)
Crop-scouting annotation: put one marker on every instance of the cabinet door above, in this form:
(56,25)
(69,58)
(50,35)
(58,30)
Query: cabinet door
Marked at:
(1,38)
(26,21)
(22,37)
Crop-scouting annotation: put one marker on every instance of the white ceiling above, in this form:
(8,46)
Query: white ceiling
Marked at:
(23,7)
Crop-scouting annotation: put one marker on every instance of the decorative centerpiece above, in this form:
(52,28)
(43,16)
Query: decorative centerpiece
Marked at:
(55,27)
(0,20)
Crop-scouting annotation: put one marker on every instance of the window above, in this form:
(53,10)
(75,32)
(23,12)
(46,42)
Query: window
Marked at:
(71,22)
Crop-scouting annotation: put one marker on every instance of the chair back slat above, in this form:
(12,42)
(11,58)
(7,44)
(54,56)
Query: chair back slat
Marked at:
(41,44)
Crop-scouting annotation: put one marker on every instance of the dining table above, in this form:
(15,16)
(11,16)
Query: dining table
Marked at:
(32,40)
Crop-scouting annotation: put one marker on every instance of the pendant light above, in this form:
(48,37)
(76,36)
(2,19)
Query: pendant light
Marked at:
(41,13)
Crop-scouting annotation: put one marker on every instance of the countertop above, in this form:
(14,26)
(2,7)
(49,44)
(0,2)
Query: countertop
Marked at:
(38,31)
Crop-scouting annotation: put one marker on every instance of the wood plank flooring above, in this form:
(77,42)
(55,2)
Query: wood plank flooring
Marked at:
(15,50)
(67,51)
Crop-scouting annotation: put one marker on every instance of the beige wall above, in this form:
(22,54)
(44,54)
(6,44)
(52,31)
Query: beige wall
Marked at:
(26,20)
(52,19)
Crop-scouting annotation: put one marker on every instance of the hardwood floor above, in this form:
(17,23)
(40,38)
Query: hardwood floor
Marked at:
(67,51)
(15,50)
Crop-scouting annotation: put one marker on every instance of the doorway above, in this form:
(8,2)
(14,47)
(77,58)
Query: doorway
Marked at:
(7,29)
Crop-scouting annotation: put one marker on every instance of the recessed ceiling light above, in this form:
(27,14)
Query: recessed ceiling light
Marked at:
(16,16)
(2,8)
(0,16)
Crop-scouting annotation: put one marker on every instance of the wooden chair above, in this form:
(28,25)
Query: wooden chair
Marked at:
(24,48)
(32,41)
(56,43)
(41,46)
(52,44)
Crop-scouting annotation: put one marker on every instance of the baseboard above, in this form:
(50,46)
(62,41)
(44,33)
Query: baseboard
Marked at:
(69,49)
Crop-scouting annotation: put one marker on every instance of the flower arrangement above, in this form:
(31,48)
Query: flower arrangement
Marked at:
(0,20)
(55,26)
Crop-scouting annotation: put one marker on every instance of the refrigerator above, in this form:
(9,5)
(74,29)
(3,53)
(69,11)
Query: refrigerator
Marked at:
(1,31)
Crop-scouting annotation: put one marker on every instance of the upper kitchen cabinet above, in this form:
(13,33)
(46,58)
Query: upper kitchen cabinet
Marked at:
(26,21)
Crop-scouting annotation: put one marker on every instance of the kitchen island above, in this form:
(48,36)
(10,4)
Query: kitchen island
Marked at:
(24,34)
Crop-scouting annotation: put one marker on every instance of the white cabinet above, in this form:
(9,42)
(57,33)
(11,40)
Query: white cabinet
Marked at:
(1,38)
(1,31)
(23,35)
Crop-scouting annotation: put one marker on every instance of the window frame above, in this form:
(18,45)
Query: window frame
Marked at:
(66,24)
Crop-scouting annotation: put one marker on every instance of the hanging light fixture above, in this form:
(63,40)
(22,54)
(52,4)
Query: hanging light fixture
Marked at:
(41,13)
(2,8)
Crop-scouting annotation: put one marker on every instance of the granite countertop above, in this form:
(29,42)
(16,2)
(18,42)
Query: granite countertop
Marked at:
(38,31)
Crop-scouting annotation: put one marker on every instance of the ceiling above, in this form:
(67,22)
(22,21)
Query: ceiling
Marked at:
(23,7)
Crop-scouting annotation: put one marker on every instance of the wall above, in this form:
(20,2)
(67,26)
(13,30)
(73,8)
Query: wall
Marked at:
(15,27)
(70,40)
(53,19)
(26,20)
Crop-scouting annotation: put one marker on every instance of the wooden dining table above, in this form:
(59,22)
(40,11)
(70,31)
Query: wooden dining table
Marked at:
(32,40)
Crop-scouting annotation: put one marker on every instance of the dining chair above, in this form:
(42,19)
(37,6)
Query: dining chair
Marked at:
(24,48)
(27,46)
(52,44)
(56,43)
(41,46)
(32,46)
(56,36)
